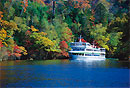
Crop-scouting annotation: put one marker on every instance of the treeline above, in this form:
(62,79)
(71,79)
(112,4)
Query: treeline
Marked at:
(43,29)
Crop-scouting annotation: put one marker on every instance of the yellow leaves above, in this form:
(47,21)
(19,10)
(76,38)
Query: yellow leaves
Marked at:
(18,20)
(43,33)
(10,41)
(13,25)
(107,39)
(105,46)
(114,48)
(122,20)
(120,33)
(23,50)
(34,29)
(47,42)
(4,23)
(118,19)
(3,34)
(41,40)
(5,44)
(9,25)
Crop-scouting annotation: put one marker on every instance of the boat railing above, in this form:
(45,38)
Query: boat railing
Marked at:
(102,50)
(78,43)
(74,44)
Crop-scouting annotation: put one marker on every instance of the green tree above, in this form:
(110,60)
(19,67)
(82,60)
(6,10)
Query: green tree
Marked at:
(101,14)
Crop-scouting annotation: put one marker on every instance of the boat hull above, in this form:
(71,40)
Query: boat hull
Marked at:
(87,57)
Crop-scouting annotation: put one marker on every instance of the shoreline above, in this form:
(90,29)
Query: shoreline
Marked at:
(31,59)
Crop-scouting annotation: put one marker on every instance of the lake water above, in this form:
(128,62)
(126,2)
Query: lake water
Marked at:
(64,73)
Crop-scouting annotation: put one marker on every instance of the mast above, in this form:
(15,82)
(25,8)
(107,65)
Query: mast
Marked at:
(80,39)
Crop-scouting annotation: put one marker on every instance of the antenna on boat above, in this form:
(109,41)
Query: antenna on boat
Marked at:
(80,39)
(93,44)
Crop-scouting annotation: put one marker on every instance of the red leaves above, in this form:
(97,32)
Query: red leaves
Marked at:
(17,54)
(96,43)
(17,51)
(28,43)
(64,53)
(93,24)
(1,45)
(27,32)
(83,40)
(63,47)
(63,44)
(16,47)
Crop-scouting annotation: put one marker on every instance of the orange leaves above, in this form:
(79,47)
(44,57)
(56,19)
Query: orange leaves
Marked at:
(18,50)
(24,4)
(17,54)
(34,29)
(1,15)
(81,4)
(43,33)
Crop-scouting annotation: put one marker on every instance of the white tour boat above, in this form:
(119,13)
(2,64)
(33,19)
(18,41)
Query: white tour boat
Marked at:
(84,50)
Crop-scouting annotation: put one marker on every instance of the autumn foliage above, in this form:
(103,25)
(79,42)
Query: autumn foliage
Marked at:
(31,29)
(64,47)
(24,4)
(80,3)
(1,15)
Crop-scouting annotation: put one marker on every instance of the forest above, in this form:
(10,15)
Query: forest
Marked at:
(43,29)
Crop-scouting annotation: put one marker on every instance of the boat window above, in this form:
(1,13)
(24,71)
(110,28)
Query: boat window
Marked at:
(96,54)
(72,44)
(102,54)
(78,49)
(88,44)
(75,53)
(81,49)
(81,54)
(87,54)
(74,49)
(83,44)
(89,50)
(102,50)
(96,50)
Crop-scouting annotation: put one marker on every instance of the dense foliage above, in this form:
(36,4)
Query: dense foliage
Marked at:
(43,29)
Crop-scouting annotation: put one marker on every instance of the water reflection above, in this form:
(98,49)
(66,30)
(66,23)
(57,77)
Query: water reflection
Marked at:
(107,63)
(64,73)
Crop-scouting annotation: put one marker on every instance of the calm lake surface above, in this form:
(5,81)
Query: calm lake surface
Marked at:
(64,73)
